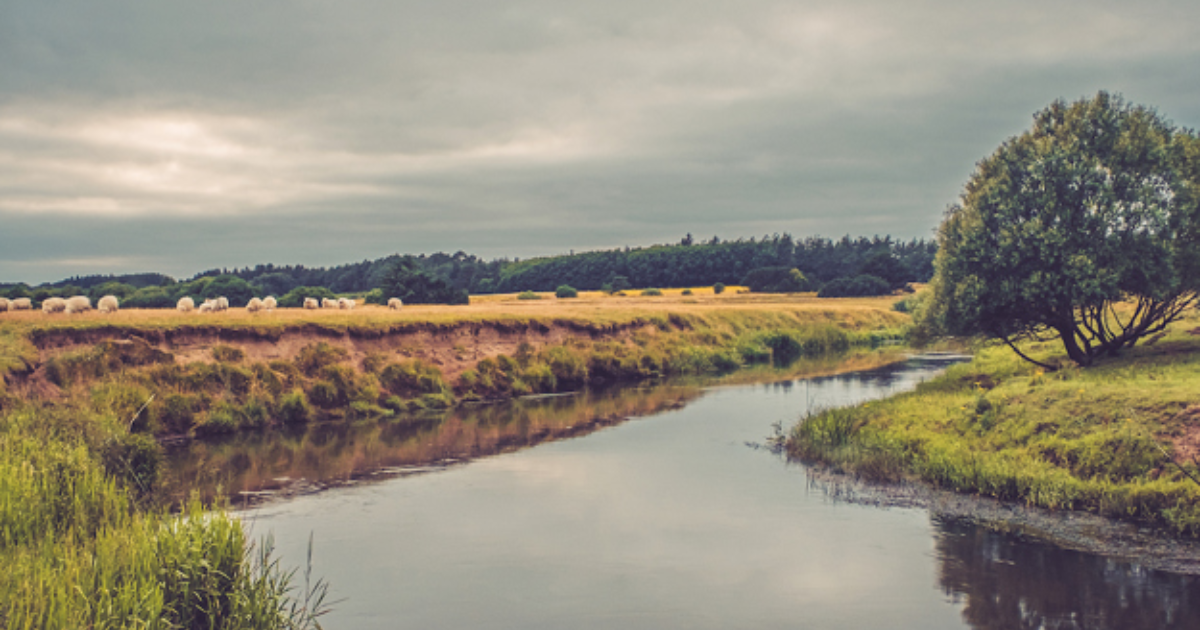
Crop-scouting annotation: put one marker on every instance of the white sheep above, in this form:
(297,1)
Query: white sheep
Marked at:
(311,303)
(79,304)
(20,304)
(3,304)
(54,305)
(269,303)
(222,303)
(108,304)
(254,305)
(395,304)
(328,303)
(185,305)
(345,303)
(207,307)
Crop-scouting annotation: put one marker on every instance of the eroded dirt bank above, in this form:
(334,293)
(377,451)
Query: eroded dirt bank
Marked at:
(453,348)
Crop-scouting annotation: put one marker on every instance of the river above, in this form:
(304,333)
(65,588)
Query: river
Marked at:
(650,507)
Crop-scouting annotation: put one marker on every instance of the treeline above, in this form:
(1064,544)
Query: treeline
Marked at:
(691,264)
(837,267)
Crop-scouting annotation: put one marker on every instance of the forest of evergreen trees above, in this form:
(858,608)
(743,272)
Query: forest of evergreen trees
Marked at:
(689,263)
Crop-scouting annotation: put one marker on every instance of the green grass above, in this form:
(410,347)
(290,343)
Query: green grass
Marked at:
(1083,439)
(79,552)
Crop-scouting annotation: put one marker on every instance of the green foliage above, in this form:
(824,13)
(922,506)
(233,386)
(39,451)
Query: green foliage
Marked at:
(884,264)
(1097,204)
(294,407)
(528,295)
(237,290)
(228,354)
(177,413)
(857,286)
(718,288)
(314,357)
(652,292)
(295,297)
(410,379)
(135,460)
(565,291)
(220,420)
(776,280)
(407,281)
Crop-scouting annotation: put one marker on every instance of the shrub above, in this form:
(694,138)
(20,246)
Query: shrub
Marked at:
(718,288)
(565,291)
(294,407)
(314,357)
(219,421)
(528,295)
(857,286)
(228,354)
(135,460)
(686,292)
(177,413)
(652,292)
(775,280)
(295,297)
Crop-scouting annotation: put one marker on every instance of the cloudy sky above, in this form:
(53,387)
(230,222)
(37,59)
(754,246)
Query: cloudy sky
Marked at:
(163,135)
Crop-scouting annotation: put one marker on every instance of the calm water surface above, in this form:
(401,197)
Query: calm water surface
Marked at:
(670,520)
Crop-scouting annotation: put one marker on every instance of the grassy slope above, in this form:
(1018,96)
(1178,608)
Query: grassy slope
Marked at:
(1079,439)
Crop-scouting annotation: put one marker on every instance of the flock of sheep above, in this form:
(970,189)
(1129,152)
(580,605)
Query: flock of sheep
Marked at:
(110,304)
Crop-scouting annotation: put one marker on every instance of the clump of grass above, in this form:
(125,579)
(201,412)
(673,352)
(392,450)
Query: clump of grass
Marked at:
(228,354)
(294,407)
(652,292)
(312,358)
(528,295)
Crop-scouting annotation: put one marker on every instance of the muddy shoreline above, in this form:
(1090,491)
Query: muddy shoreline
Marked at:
(1079,531)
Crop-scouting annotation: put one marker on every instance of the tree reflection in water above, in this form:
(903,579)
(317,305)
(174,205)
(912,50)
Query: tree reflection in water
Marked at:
(290,460)
(1006,583)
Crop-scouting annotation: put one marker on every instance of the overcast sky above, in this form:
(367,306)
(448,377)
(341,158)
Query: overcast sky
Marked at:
(175,136)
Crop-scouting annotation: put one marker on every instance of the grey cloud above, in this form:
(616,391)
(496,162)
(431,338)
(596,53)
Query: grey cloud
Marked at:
(186,136)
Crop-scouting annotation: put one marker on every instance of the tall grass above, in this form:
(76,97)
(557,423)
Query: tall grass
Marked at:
(78,552)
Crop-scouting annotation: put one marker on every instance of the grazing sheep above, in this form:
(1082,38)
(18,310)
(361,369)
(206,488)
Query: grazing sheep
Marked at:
(79,304)
(222,303)
(328,303)
(108,304)
(311,303)
(269,303)
(20,304)
(395,304)
(254,305)
(185,305)
(54,305)
(345,303)
(207,307)
(3,304)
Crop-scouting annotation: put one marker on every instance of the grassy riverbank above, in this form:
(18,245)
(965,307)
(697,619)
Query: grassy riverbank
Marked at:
(1119,439)
(83,536)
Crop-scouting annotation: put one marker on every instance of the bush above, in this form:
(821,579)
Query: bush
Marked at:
(775,280)
(294,408)
(858,286)
(686,292)
(295,297)
(228,354)
(565,291)
(135,460)
(528,295)
(652,292)
(718,288)
(177,414)
(220,421)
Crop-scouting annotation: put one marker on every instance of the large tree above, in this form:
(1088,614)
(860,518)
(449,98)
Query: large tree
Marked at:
(1084,228)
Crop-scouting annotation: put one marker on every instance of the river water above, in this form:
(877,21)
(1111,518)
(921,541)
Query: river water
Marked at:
(562,513)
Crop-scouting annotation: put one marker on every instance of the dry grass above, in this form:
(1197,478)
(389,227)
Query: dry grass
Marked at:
(593,307)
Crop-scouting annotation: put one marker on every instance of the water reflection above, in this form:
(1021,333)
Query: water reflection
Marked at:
(296,460)
(1004,582)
